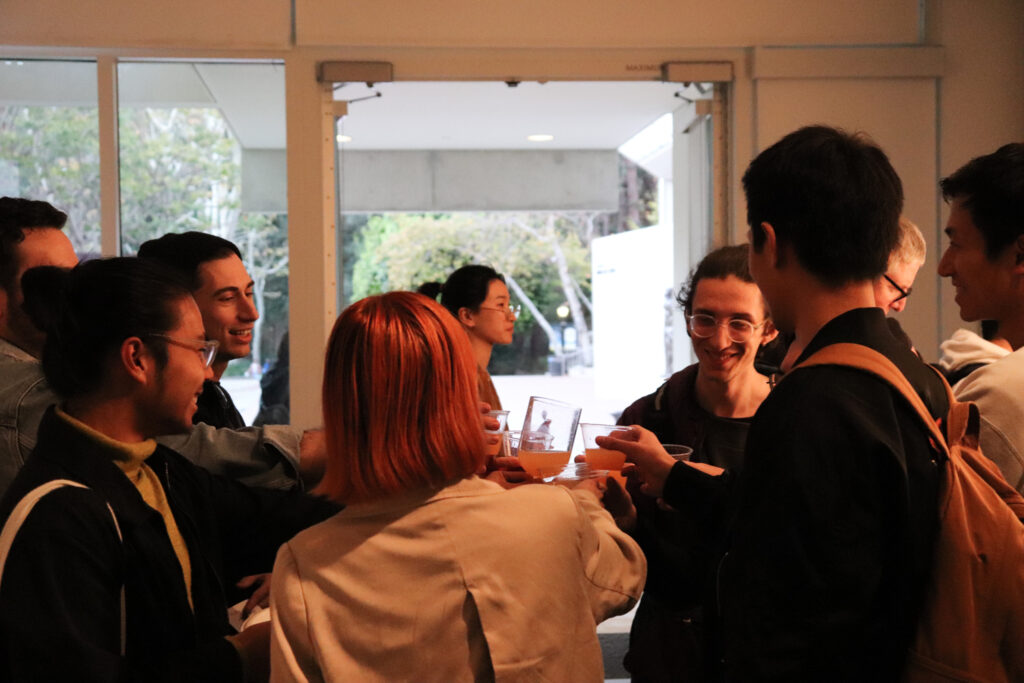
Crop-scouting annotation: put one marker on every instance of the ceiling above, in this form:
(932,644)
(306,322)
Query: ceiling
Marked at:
(406,115)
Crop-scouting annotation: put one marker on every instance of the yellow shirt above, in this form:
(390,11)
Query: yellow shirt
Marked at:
(131,457)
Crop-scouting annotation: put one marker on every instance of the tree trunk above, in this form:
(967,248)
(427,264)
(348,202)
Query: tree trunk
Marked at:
(575,307)
(553,339)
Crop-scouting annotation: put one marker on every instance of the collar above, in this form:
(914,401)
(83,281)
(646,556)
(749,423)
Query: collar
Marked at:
(865,326)
(128,456)
(93,463)
(11,350)
(467,487)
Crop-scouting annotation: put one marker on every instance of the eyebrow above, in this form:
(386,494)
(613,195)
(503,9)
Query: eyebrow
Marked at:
(731,316)
(232,288)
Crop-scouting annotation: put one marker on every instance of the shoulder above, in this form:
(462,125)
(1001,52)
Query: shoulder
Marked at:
(997,383)
(667,398)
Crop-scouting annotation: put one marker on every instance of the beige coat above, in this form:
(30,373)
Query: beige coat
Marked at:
(470,583)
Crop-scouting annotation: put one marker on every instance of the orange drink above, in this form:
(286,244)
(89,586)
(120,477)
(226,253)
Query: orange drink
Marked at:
(605,459)
(542,463)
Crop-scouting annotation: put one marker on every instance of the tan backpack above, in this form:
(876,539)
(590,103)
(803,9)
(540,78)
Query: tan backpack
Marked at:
(972,625)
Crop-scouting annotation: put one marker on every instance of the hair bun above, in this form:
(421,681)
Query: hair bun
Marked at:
(430,289)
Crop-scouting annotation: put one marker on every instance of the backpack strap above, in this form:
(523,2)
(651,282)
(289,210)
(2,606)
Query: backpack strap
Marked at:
(20,514)
(867,359)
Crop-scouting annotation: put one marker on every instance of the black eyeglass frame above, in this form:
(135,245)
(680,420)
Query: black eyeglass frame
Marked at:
(904,293)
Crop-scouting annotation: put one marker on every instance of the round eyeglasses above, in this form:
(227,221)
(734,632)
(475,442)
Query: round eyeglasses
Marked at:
(206,348)
(739,330)
(507,311)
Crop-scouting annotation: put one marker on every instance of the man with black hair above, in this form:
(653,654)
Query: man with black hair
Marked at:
(31,235)
(985,261)
(224,291)
(832,521)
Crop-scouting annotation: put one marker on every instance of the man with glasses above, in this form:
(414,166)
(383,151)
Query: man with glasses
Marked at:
(832,520)
(31,235)
(119,554)
(708,406)
(897,283)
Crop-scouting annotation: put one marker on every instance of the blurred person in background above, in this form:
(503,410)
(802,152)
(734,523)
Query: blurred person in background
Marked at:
(478,298)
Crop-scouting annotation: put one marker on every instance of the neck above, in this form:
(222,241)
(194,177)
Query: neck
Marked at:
(481,350)
(818,305)
(1012,331)
(117,418)
(34,350)
(218,367)
(739,397)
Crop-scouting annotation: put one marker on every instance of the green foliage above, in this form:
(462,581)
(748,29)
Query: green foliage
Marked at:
(52,153)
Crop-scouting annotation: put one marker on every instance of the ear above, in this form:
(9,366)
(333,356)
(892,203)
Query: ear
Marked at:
(1018,255)
(771,245)
(136,359)
(466,317)
(769,332)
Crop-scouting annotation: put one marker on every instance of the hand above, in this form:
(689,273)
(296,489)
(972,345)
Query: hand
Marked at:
(509,479)
(253,645)
(619,505)
(260,596)
(643,449)
(312,457)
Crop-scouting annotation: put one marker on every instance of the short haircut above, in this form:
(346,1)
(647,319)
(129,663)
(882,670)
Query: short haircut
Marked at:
(465,288)
(87,313)
(911,247)
(717,265)
(832,197)
(16,216)
(991,188)
(399,400)
(185,252)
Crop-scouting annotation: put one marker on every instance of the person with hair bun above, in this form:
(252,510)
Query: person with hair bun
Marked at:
(478,298)
(117,553)
(430,572)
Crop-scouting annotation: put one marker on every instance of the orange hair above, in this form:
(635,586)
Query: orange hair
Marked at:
(399,400)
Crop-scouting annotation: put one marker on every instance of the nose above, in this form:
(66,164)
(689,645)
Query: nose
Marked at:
(247,310)
(720,338)
(208,372)
(945,265)
(897,306)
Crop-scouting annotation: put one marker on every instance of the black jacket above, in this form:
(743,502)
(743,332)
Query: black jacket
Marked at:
(60,595)
(215,407)
(832,521)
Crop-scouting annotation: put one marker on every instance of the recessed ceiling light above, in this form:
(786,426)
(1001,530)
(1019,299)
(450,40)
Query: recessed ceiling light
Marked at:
(540,138)
(343,138)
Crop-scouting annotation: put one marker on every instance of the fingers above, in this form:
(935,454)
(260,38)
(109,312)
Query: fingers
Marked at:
(504,462)
(485,408)
(260,596)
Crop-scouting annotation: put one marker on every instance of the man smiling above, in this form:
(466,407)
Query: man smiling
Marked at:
(223,290)
(985,261)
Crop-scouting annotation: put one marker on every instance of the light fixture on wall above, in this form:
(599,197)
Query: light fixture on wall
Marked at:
(540,137)
(343,139)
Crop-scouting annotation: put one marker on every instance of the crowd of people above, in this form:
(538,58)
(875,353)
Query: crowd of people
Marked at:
(798,542)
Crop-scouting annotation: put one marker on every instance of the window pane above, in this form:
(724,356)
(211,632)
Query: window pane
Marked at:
(202,147)
(49,141)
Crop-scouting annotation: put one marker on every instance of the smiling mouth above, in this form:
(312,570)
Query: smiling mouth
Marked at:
(247,333)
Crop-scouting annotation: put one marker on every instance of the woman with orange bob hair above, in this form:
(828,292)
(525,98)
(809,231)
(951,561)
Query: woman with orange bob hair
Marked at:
(431,573)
